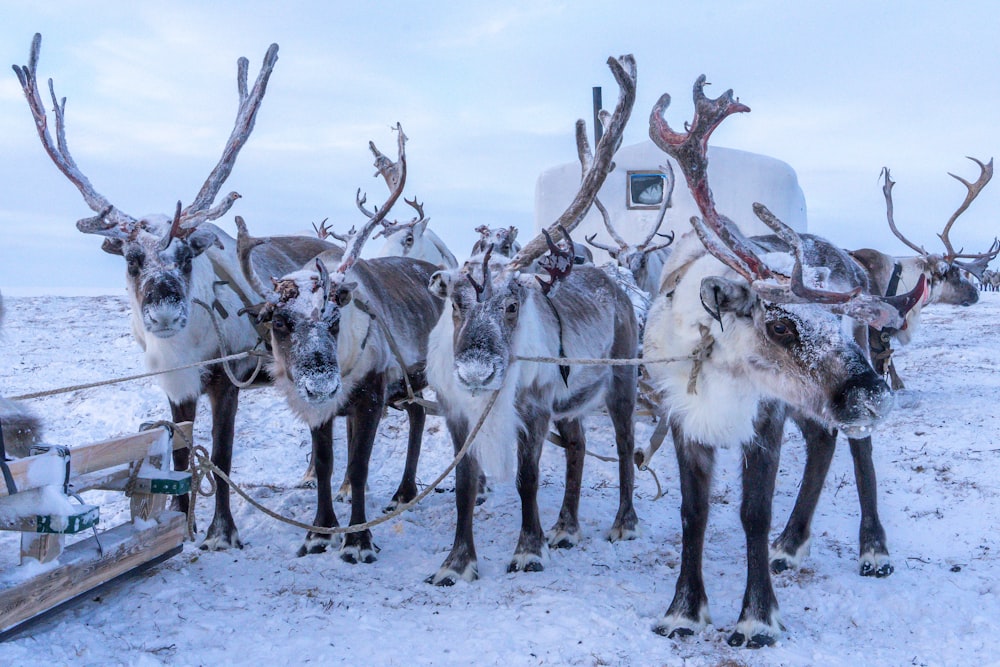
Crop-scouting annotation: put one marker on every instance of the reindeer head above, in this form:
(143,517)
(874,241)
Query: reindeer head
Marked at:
(160,253)
(160,267)
(503,240)
(780,302)
(488,294)
(944,271)
(305,308)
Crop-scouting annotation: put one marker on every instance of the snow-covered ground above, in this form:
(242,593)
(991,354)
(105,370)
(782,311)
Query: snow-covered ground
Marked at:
(937,456)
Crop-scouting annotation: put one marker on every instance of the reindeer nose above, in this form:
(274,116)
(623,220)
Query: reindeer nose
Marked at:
(475,374)
(862,401)
(164,321)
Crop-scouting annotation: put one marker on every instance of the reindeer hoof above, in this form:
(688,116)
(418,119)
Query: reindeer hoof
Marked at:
(357,554)
(448,576)
(526,563)
(221,538)
(621,534)
(876,565)
(314,544)
(756,633)
(759,640)
(779,565)
(563,538)
(677,625)
(306,484)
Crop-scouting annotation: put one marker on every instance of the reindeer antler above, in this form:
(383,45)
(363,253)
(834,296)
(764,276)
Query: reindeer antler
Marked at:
(394,174)
(624,71)
(390,228)
(723,239)
(117,224)
(558,263)
(973,190)
(199,210)
(111,222)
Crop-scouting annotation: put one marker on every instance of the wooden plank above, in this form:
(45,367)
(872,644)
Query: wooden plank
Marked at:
(81,518)
(35,471)
(82,567)
(42,547)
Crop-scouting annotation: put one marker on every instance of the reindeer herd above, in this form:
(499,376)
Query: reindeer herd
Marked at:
(747,333)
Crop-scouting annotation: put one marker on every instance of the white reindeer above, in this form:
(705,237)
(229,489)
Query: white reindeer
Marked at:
(759,320)
(173,267)
(496,314)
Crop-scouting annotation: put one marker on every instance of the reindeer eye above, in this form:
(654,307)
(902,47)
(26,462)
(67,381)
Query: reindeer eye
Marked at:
(135,261)
(281,324)
(408,241)
(511,308)
(782,332)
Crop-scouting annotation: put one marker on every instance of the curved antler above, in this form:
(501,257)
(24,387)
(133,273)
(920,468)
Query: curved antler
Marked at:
(394,174)
(973,190)
(887,192)
(199,210)
(624,71)
(110,218)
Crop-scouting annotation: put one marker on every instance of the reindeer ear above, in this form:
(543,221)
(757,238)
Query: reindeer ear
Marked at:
(441,284)
(200,239)
(113,246)
(344,294)
(720,295)
(260,312)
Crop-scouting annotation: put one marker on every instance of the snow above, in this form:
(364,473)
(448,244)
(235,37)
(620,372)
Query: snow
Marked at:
(936,455)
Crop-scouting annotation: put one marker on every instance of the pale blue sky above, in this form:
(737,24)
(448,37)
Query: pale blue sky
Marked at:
(487,93)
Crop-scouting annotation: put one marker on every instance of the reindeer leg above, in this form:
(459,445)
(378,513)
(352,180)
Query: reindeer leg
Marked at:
(461,562)
(322,457)
(363,417)
(407,490)
(792,546)
(183,412)
(759,624)
(565,533)
(621,407)
(344,492)
(688,612)
(874,559)
(531,550)
(224,398)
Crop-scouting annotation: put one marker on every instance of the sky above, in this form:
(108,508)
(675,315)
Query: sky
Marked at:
(487,94)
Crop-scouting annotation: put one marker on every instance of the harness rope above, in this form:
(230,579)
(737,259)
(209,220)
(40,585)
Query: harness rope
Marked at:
(202,467)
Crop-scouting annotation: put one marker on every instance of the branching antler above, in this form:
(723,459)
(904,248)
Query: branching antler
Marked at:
(723,239)
(390,228)
(973,190)
(111,221)
(199,210)
(624,71)
(114,223)
(558,263)
(394,173)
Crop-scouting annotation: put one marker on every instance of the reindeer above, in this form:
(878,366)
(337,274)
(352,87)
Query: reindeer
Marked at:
(173,269)
(19,427)
(944,273)
(333,355)
(498,313)
(644,260)
(759,322)
(503,241)
(413,239)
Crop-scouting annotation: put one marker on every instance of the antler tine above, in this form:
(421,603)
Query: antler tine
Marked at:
(322,231)
(668,202)
(558,263)
(887,191)
(394,172)
(175,230)
(690,151)
(324,279)
(390,228)
(611,250)
(246,116)
(985,174)
(58,150)
(624,71)
(244,247)
(797,286)
(484,291)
